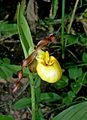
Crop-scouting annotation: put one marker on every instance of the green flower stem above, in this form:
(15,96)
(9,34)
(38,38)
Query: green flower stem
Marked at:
(28,47)
(32,96)
(63,41)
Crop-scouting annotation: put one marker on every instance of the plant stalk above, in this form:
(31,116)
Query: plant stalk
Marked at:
(32,96)
(63,41)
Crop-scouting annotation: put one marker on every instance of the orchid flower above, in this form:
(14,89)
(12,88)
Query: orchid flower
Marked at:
(47,67)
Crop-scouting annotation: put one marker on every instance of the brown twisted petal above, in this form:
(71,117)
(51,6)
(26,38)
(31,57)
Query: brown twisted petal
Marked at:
(20,74)
(29,59)
(16,86)
(53,38)
(45,41)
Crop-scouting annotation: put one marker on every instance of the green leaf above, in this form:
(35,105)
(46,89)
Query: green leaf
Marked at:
(83,39)
(71,94)
(84,57)
(69,98)
(1,61)
(75,112)
(6,72)
(24,32)
(6,117)
(63,82)
(13,68)
(22,103)
(85,78)
(7,30)
(39,115)
(6,60)
(49,97)
(71,39)
(76,87)
(75,72)
(37,81)
(54,8)
(2,74)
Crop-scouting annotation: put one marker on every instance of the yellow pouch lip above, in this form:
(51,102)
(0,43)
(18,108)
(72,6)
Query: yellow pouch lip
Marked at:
(48,68)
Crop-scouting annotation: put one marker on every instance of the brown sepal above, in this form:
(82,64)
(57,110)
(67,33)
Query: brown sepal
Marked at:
(32,66)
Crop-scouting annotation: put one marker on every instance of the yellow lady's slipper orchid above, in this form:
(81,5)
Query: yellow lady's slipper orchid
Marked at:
(48,68)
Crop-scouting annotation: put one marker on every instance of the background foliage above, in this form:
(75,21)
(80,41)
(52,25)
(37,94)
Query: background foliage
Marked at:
(71,89)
